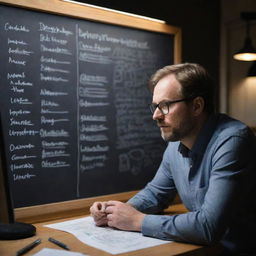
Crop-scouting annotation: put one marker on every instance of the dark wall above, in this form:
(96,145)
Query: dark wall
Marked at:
(198,19)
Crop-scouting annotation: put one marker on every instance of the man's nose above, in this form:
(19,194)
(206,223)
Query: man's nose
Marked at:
(157,115)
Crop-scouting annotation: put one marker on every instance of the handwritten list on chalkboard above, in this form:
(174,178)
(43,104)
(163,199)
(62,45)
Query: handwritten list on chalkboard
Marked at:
(74,103)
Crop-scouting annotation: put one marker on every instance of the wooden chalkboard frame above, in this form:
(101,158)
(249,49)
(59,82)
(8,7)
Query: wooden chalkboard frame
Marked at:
(38,213)
(61,7)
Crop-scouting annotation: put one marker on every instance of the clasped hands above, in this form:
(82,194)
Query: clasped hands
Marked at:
(117,214)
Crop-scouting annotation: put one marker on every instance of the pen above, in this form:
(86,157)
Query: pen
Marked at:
(28,247)
(58,243)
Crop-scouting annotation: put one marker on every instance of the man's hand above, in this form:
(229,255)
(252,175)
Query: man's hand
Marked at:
(123,216)
(98,213)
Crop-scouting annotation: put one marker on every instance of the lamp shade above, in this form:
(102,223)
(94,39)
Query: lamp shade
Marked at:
(247,53)
(252,70)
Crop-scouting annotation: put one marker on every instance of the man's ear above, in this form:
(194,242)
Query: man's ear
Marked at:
(198,105)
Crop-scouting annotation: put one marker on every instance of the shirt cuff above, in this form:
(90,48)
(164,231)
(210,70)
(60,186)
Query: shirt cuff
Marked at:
(152,226)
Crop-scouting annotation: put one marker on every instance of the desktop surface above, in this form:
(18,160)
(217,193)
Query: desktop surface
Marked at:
(10,247)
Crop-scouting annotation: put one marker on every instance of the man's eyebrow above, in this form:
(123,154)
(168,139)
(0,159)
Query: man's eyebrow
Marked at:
(164,100)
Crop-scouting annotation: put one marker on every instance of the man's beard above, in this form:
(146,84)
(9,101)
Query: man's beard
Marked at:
(174,136)
(177,134)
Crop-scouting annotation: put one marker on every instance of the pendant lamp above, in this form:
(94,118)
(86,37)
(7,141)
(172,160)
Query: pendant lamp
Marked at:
(248,51)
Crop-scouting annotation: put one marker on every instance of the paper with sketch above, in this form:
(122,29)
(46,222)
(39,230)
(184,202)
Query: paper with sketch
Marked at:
(56,252)
(104,238)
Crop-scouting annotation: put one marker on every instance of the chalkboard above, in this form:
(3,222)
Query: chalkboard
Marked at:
(74,104)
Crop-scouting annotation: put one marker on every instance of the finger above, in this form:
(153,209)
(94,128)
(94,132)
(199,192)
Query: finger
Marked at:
(95,207)
(109,209)
(109,217)
(99,206)
(99,215)
(110,223)
(112,202)
(103,206)
(110,220)
(101,222)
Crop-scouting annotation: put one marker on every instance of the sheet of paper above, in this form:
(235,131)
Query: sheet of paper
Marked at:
(104,238)
(56,252)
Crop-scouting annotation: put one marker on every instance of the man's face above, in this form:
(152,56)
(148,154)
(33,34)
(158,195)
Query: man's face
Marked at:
(178,124)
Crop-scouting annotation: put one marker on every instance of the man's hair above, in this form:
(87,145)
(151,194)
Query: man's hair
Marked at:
(194,79)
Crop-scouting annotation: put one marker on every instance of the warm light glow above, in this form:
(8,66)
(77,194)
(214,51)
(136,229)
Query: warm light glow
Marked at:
(108,9)
(251,82)
(245,56)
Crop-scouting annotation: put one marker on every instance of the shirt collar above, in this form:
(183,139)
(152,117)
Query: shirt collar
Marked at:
(202,140)
(183,150)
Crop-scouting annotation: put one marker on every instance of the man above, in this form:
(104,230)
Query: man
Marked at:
(210,161)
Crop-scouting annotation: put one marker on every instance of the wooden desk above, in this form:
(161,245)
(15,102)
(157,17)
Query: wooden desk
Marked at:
(9,248)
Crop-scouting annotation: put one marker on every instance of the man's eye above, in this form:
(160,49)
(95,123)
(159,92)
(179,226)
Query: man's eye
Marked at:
(163,105)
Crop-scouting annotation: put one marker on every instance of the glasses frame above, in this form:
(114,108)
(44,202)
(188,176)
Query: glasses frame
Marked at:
(154,106)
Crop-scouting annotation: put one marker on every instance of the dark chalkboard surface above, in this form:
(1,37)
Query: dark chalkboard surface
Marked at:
(74,104)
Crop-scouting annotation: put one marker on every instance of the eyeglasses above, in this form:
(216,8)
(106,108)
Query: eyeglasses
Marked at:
(164,105)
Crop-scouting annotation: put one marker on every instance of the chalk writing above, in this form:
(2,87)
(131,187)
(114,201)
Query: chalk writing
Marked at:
(96,148)
(16,28)
(54,29)
(24,132)
(56,164)
(22,122)
(19,51)
(16,42)
(47,111)
(13,147)
(44,59)
(55,153)
(53,145)
(17,62)
(93,79)
(85,103)
(52,121)
(18,90)
(53,133)
(19,112)
(46,92)
(22,157)
(93,92)
(27,176)
(75,104)
(114,40)
(15,167)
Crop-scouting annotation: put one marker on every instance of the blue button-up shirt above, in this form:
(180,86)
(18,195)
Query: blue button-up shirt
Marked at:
(216,181)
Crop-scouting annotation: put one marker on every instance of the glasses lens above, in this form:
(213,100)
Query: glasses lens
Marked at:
(164,108)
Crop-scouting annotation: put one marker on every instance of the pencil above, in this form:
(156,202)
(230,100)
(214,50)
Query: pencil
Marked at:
(28,247)
(60,244)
